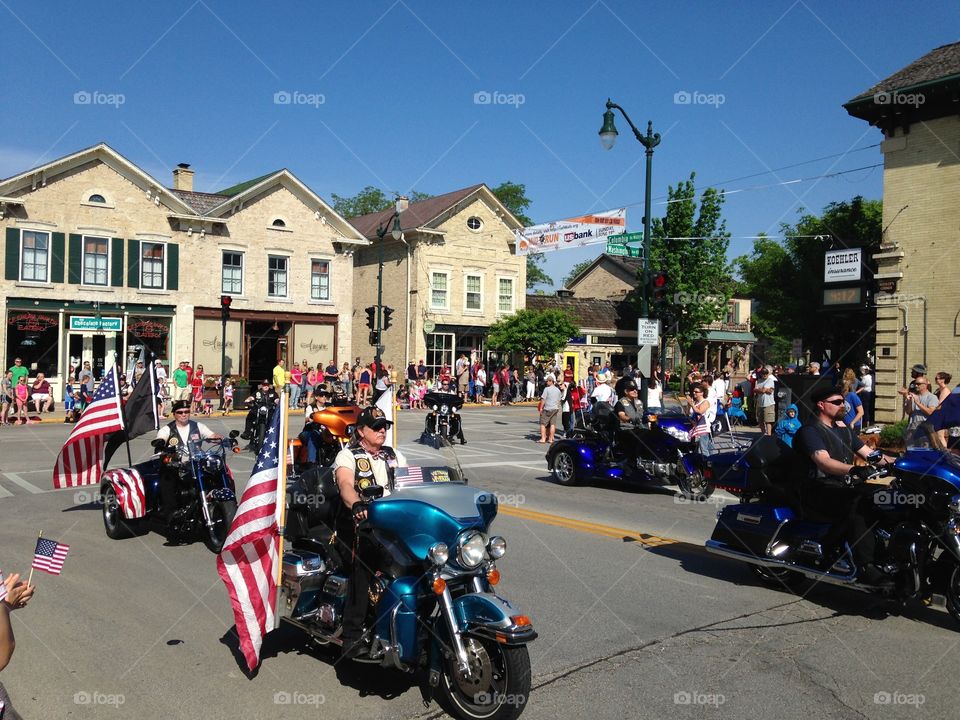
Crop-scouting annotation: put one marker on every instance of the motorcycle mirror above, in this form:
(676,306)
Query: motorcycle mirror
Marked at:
(372,492)
(234,433)
(875,456)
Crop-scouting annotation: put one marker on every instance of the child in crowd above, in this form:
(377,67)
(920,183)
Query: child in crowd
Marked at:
(69,403)
(228,396)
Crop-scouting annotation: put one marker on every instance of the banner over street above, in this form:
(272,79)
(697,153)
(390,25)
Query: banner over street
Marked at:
(574,232)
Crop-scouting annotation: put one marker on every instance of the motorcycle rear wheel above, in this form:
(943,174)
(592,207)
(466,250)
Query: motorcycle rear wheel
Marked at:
(221,512)
(114,524)
(952,592)
(695,486)
(565,468)
(504,673)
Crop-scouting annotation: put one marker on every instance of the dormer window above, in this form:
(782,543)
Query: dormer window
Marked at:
(279,223)
(97,198)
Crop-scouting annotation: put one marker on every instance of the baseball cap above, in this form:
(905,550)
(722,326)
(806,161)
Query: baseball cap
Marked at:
(373,417)
(919,368)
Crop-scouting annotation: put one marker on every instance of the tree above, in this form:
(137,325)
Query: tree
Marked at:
(690,246)
(514,197)
(576,270)
(785,278)
(369,200)
(533,332)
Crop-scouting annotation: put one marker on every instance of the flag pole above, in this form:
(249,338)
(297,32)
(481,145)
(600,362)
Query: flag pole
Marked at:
(284,452)
(30,578)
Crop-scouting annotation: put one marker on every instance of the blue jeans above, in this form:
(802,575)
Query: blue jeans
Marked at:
(294,394)
(705,444)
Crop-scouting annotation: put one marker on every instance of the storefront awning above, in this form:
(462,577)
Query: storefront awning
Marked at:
(729,336)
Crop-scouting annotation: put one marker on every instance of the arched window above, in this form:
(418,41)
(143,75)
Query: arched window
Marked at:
(279,223)
(97,198)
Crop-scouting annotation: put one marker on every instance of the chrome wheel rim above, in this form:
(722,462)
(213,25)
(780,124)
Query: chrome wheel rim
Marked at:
(563,466)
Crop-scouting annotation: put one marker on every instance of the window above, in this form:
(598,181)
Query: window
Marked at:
(474,293)
(97,198)
(277,276)
(34,256)
(474,223)
(439,352)
(733,313)
(439,290)
(319,279)
(231,276)
(504,295)
(279,223)
(151,265)
(95,260)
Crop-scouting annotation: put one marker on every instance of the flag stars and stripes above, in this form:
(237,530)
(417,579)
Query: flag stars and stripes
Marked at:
(49,556)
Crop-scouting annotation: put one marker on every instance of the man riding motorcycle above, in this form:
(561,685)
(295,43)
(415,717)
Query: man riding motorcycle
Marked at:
(265,396)
(189,434)
(365,462)
(830,493)
(447,390)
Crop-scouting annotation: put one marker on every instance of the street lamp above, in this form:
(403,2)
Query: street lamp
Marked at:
(396,233)
(608,137)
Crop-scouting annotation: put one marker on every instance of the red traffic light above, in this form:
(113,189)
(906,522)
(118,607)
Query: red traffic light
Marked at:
(659,280)
(225,301)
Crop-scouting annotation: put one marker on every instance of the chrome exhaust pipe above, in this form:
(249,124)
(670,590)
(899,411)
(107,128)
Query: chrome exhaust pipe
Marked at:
(846,581)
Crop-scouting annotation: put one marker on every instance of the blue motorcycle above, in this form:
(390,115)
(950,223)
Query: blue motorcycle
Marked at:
(916,516)
(660,454)
(433,602)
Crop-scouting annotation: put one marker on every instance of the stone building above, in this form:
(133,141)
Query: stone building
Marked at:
(453,273)
(918,313)
(101,259)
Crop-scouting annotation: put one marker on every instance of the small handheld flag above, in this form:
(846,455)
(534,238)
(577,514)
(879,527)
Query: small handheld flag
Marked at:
(49,555)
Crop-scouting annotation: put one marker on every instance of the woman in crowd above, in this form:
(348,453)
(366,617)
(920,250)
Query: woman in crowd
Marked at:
(479,383)
(942,391)
(346,379)
(310,382)
(654,397)
(196,382)
(296,385)
(363,385)
(699,405)
(8,399)
(853,417)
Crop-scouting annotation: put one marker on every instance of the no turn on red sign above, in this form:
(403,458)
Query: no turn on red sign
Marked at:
(648,332)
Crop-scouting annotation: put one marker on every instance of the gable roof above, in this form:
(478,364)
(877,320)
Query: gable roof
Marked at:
(425,212)
(590,314)
(246,184)
(108,156)
(627,265)
(938,64)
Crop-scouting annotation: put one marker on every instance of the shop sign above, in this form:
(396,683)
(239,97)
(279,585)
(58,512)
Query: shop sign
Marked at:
(93,324)
(32,322)
(842,265)
(148,329)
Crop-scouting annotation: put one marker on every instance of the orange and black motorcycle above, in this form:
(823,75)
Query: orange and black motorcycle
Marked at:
(325,434)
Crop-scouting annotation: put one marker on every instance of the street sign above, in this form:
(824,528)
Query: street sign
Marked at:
(648,332)
(796,347)
(617,244)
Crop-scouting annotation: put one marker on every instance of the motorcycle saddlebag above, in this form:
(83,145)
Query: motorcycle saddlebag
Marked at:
(749,527)
(311,501)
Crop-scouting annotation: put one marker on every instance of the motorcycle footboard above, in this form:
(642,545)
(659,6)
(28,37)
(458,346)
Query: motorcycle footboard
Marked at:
(749,528)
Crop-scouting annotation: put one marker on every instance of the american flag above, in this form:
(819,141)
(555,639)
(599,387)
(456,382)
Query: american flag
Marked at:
(49,556)
(80,461)
(408,475)
(128,485)
(700,427)
(3,588)
(249,561)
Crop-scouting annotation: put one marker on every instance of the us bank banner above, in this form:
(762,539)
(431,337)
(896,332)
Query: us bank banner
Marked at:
(574,232)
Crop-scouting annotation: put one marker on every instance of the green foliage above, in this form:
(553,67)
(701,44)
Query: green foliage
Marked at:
(892,435)
(785,278)
(535,273)
(533,332)
(514,197)
(369,200)
(576,270)
(699,278)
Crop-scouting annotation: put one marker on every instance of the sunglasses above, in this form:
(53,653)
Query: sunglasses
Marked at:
(833,402)
(182,412)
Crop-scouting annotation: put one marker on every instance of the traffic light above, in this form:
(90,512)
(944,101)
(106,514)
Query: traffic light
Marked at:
(225,301)
(374,337)
(372,319)
(658,287)
(387,312)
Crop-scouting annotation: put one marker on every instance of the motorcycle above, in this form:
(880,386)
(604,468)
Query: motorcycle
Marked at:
(433,602)
(917,523)
(206,493)
(260,424)
(328,431)
(442,423)
(661,454)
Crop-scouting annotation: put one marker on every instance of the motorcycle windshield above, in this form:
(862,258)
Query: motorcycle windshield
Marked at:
(438,400)
(926,455)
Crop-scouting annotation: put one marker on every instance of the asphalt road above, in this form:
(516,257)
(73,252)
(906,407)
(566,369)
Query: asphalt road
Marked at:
(635,620)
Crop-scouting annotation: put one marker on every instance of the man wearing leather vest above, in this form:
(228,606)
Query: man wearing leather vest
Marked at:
(188,433)
(365,462)
(833,491)
(265,395)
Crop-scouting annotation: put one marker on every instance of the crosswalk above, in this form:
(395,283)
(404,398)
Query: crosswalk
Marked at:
(11,484)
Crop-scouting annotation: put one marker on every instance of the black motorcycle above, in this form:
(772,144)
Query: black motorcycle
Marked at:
(206,493)
(442,423)
(261,422)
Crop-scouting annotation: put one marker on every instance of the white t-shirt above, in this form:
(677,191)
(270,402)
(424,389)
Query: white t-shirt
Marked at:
(654,397)
(711,413)
(720,389)
(346,459)
(604,393)
(765,399)
(866,382)
(481,378)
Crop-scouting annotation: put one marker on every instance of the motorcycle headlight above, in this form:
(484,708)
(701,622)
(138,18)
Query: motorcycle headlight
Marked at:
(681,435)
(471,550)
(438,554)
(351,429)
(497,547)
(433,407)
(444,408)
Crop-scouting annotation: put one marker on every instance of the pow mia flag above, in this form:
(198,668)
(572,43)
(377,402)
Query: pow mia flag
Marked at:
(720,425)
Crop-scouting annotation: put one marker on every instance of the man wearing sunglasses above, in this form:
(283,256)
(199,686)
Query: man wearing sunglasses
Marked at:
(189,433)
(834,491)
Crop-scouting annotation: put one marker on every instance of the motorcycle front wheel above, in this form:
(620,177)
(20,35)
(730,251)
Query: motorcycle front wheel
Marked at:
(221,513)
(498,686)
(258,435)
(952,592)
(695,486)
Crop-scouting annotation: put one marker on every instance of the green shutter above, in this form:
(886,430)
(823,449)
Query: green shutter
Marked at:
(133,263)
(12,259)
(75,259)
(173,267)
(57,257)
(116,262)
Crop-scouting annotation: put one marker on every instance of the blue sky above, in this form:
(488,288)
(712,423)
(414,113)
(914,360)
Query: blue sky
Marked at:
(385,93)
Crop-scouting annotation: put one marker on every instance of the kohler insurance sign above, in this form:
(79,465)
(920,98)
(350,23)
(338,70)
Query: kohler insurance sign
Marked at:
(842,265)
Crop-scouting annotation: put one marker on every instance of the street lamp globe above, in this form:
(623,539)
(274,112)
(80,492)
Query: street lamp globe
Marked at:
(608,133)
(396,233)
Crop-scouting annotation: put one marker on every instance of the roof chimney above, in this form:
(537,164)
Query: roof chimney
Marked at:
(403,202)
(564,293)
(183,177)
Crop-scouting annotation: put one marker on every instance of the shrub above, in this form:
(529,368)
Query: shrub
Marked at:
(892,435)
